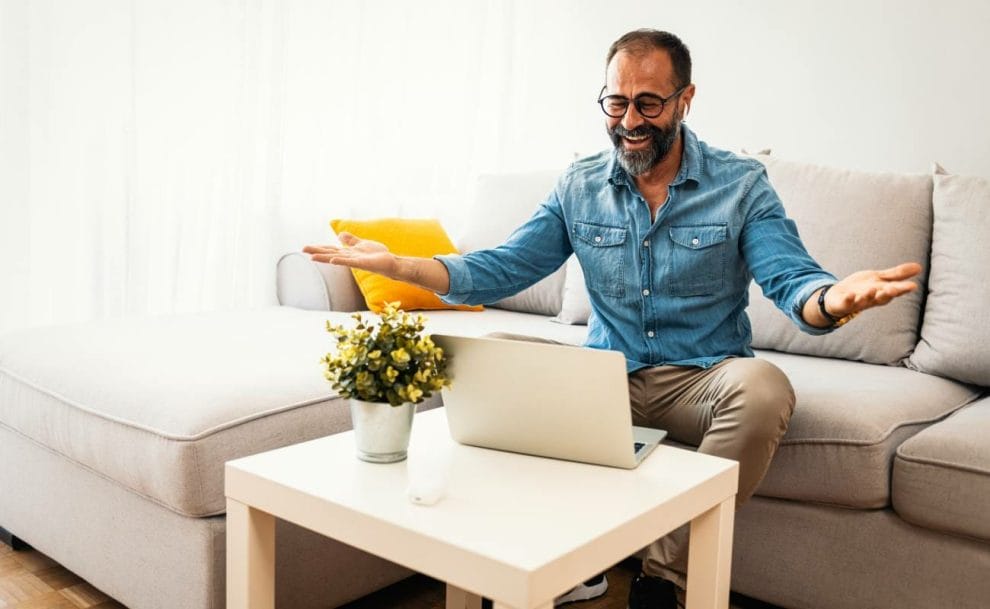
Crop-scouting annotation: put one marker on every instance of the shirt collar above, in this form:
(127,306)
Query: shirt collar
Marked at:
(691,162)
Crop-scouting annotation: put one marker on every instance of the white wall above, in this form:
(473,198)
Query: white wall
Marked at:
(156,156)
(868,84)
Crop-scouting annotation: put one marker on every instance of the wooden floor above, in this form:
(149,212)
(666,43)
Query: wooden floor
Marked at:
(421,592)
(31,580)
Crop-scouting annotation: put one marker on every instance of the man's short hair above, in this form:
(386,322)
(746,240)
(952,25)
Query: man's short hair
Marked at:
(645,40)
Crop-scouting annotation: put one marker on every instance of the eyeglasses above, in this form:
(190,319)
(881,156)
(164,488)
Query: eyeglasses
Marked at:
(647,104)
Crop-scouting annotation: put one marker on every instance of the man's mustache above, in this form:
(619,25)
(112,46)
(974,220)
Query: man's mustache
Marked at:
(637,132)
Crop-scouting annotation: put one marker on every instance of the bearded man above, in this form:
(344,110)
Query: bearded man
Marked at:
(669,232)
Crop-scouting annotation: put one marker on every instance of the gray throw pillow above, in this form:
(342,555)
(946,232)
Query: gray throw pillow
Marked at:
(955,334)
(501,204)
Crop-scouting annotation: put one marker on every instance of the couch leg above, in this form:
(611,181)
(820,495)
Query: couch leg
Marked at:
(12,540)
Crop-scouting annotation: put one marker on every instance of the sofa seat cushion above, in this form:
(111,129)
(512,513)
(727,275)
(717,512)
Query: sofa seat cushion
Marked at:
(942,475)
(848,421)
(159,404)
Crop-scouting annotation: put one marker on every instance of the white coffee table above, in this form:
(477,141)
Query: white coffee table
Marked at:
(517,529)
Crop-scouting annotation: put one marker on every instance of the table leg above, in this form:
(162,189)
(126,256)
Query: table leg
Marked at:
(710,557)
(462,599)
(250,557)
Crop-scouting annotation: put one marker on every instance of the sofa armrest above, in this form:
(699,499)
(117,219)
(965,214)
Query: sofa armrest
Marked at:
(316,286)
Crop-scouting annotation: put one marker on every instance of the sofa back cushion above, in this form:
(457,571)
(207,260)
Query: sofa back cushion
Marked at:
(851,221)
(576,306)
(503,203)
(955,335)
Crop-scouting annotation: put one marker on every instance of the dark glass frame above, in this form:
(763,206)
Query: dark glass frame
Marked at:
(637,101)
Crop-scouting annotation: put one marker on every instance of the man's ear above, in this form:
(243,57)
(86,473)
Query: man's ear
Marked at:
(686,99)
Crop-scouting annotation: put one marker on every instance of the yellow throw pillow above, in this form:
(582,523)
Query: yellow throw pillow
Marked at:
(422,238)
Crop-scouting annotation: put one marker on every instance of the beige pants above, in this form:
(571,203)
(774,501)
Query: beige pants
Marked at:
(737,409)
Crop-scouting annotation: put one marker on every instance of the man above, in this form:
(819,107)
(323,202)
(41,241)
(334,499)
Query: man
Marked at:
(669,232)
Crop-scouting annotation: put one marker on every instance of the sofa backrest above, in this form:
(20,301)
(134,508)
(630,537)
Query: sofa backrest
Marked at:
(850,221)
(503,203)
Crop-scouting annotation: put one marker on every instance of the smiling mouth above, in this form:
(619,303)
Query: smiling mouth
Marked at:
(635,140)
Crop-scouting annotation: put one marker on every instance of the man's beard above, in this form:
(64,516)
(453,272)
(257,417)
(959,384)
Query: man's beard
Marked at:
(638,162)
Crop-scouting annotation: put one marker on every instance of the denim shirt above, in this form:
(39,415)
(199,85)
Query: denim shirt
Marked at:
(669,291)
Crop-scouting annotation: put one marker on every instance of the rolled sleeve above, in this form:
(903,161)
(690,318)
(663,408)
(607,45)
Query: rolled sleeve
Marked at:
(801,298)
(461,284)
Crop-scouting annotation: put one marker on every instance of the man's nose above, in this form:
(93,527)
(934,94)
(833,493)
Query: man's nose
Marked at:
(632,118)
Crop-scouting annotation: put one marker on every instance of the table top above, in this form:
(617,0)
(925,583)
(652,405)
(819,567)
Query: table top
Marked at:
(518,528)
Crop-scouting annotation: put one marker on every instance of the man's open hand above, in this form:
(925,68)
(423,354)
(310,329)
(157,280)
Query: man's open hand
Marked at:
(356,253)
(866,289)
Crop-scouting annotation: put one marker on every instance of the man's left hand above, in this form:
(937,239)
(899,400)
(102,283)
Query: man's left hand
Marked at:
(863,290)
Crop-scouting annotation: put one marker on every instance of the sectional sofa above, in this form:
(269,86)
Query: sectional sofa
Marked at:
(113,434)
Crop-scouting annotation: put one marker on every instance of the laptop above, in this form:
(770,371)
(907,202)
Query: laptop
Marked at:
(541,399)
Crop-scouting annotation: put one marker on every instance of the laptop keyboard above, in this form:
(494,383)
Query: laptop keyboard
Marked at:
(637,446)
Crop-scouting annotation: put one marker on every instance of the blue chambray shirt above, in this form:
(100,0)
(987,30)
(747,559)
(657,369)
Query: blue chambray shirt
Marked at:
(671,291)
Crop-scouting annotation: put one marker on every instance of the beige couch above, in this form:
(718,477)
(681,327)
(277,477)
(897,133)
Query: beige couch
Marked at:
(113,434)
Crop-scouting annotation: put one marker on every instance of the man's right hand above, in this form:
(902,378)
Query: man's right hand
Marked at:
(356,253)
(374,257)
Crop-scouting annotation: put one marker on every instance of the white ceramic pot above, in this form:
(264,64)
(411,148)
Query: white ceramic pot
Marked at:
(381,431)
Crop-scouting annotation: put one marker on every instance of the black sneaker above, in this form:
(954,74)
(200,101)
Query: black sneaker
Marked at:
(593,588)
(647,592)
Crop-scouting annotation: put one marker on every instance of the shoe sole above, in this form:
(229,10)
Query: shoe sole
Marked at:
(582,593)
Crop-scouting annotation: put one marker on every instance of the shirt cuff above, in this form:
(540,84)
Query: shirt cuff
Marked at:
(797,309)
(461,284)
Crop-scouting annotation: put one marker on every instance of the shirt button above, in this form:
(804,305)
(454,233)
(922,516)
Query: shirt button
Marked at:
(695,241)
(646,244)
(646,292)
(650,333)
(599,239)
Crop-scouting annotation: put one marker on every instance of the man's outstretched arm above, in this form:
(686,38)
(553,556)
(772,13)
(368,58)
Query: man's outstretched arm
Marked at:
(373,256)
(860,291)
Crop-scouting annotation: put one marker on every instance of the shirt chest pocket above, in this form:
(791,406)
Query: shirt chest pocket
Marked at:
(697,262)
(602,253)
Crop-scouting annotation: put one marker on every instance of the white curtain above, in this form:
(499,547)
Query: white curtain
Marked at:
(157,157)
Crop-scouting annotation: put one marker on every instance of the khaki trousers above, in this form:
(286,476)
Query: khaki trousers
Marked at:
(737,409)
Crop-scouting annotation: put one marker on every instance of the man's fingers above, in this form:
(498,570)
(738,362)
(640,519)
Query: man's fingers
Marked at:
(324,254)
(864,298)
(900,272)
(347,238)
(318,249)
(900,287)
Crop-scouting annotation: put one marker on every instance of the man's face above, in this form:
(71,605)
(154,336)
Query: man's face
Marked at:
(643,142)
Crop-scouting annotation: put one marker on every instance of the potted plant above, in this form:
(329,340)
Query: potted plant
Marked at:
(384,370)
